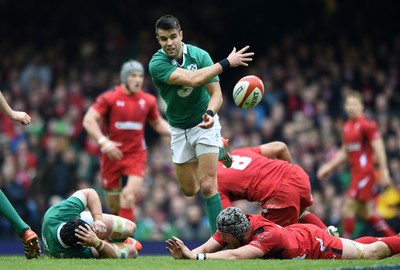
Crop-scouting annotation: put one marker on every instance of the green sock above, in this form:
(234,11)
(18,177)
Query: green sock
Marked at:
(213,207)
(220,154)
(8,211)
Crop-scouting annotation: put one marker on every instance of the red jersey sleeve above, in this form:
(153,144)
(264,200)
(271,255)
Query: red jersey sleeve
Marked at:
(217,237)
(256,149)
(102,103)
(225,200)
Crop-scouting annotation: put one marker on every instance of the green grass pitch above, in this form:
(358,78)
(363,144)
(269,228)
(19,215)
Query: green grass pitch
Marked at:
(166,263)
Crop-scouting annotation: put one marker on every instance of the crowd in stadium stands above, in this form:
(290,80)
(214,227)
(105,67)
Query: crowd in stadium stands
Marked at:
(303,106)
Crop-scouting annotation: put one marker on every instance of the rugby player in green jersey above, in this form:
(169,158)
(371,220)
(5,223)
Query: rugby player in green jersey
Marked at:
(187,80)
(68,231)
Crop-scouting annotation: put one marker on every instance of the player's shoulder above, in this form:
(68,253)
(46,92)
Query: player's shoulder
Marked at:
(147,96)
(191,47)
(158,55)
(367,121)
(109,93)
(248,150)
(194,50)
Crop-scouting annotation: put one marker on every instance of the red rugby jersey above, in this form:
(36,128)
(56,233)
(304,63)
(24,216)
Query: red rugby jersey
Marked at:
(357,135)
(124,117)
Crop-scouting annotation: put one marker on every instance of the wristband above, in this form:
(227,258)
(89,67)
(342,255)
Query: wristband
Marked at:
(201,256)
(97,217)
(102,141)
(210,113)
(225,64)
(101,244)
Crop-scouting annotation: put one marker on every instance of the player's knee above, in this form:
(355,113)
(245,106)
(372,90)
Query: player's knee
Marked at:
(190,191)
(208,189)
(377,251)
(130,227)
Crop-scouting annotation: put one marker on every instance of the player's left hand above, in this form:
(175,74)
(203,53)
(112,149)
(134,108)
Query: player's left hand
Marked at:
(385,181)
(178,250)
(21,117)
(208,121)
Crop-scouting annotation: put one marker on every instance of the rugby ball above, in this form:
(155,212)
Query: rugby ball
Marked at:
(248,92)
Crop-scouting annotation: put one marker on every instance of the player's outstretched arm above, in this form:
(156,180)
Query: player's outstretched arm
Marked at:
(17,116)
(277,150)
(199,77)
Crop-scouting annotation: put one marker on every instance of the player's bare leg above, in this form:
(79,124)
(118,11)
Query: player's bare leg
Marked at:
(349,212)
(113,201)
(375,251)
(187,178)
(128,196)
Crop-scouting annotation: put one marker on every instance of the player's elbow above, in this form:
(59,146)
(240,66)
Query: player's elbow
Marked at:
(87,121)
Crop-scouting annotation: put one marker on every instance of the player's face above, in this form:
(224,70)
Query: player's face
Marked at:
(171,42)
(230,239)
(135,81)
(353,107)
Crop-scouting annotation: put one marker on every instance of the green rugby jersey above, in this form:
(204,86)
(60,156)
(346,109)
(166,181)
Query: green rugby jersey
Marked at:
(185,105)
(54,217)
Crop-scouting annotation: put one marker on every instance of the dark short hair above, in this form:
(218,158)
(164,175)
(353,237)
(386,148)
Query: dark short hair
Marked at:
(167,22)
(67,232)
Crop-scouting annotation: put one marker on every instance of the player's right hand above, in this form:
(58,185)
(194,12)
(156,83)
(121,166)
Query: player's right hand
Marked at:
(322,173)
(111,149)
(21,117)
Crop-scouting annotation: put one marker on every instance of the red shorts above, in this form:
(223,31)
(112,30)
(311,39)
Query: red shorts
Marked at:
(319,243)
(111,171)
(362,186)
(293,194)
(324,245)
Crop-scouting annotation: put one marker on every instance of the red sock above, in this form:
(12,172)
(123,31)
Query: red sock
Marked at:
(348,227)
(367,240)
(313,219)
(127,213)
(380,225)
(393,243)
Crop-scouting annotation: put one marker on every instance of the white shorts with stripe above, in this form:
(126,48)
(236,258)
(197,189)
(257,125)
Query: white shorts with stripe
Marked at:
(188,144)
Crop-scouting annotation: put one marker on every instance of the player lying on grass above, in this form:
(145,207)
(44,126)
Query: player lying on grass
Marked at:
(253,236)
(265,174)
(69,231)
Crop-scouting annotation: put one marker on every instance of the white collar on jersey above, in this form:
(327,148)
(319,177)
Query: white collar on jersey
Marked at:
(59,236)
(173,61)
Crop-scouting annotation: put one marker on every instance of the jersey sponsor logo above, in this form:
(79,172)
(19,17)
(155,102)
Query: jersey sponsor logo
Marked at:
(120,103)
(353,147)
(363,182)
(185,91)
(363,160)
(128,125)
